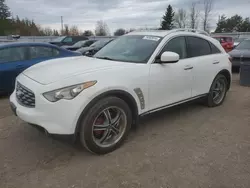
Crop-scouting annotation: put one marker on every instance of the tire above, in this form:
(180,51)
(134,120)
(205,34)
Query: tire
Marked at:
(210,100)
(99,110)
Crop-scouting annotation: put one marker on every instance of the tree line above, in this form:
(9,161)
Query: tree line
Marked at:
(198,15)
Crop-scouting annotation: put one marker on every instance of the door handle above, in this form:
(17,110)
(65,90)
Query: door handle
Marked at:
(216,62)
(188,67)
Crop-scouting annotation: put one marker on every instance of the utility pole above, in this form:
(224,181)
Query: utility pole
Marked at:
(61,25)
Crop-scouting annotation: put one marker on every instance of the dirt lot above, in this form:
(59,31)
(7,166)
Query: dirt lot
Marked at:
(188,146)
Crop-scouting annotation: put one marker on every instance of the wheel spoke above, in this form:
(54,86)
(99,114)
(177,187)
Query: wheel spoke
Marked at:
(105,136)
(115,130)
(107,115)
(100,127)
(117,119)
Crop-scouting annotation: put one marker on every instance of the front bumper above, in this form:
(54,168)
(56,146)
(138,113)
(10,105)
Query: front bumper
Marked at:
(56,118)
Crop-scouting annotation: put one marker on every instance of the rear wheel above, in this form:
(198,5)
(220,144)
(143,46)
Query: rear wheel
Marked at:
(217,91)
(106,125)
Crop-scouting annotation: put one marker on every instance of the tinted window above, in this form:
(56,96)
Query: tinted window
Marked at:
(214,49)
(177,45)
(13,54)
(68,39)
(197,47)
(88,43)
(40,52)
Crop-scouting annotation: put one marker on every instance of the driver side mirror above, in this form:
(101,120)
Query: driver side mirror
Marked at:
(170,57)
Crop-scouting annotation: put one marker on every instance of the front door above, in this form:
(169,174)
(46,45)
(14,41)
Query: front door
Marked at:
(13,61)
(171,82)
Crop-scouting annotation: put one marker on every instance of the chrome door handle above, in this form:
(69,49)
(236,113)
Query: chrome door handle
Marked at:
(188,67)
(216,62)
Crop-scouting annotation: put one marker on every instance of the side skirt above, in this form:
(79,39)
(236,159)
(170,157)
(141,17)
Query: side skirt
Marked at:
(173,104)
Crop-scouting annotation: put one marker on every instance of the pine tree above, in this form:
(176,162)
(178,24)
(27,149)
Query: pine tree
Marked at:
(168,19)
(4,10)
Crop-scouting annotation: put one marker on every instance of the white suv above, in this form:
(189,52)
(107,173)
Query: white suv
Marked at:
(97,99)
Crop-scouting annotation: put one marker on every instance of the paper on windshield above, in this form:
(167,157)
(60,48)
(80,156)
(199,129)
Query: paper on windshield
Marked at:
(151,38)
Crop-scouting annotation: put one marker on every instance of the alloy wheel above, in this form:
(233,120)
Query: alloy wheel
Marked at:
(219,90)
(109,126)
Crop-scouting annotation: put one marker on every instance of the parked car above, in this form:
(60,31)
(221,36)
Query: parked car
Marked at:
(95,47)
(240,53)
(226,42)
(67,40)
(238,41)
(99,98)
(80,44)
(16,57)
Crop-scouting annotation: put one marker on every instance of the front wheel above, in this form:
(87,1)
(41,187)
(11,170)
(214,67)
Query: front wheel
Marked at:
(217,91)
(106,125)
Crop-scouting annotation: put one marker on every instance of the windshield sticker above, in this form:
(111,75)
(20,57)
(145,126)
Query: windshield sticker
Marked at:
(151,38)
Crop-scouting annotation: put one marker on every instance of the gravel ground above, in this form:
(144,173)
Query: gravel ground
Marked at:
(186,146)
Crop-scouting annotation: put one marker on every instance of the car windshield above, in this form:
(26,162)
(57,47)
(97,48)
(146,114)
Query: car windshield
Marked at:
(58,39)
(79,44)
(244,45)
(99,43)
(130,48)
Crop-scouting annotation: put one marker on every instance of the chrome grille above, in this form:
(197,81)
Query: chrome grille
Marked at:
(25,96)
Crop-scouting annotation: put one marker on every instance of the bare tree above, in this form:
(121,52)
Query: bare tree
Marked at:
(101,29)
(194,16)
(74,31)
(181,18)
(208,6)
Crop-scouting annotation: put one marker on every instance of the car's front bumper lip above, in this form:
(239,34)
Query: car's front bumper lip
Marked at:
(13,108)
(56,118)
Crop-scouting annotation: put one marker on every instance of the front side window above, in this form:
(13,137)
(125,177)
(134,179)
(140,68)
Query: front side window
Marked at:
(177,45)
(130,48)
(197,47)
(42,52)
(13,54)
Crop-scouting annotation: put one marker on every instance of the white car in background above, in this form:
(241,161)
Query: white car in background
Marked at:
(98,99)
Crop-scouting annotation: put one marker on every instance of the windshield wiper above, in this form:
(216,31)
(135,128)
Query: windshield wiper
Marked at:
(107,58)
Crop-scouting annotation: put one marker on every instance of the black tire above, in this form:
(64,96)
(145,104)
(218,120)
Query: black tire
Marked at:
(209,101)
(87,122)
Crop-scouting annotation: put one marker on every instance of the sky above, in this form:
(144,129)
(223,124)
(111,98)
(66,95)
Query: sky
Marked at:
(116,13)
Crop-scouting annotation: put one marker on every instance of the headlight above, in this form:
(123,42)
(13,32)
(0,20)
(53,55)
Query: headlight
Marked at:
(68,93)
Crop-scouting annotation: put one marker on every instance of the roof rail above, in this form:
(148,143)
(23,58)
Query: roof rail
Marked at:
(191,30)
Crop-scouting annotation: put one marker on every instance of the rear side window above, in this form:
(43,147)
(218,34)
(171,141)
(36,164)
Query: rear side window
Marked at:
(68,39)
(42,52)
(177,45)
(197,47)
(214,49)
(13,54)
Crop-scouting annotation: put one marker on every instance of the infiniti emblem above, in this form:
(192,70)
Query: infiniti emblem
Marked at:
(19,93)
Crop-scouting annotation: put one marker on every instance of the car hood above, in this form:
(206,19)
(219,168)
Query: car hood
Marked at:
(54,70)
(240,53)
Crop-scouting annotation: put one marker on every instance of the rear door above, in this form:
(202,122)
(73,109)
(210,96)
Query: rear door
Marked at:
(12,62)
(205,59)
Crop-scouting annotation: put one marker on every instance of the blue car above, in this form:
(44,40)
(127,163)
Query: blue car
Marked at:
(16,57)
